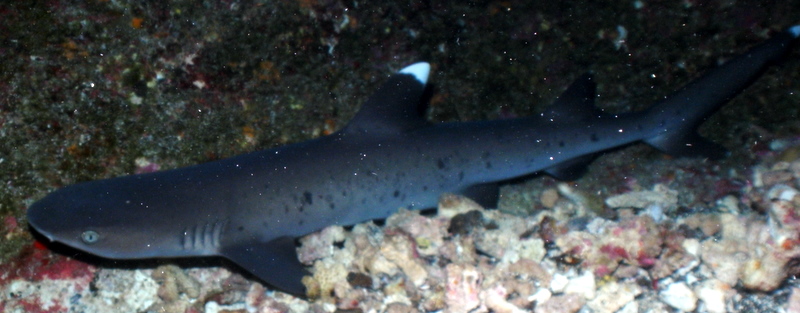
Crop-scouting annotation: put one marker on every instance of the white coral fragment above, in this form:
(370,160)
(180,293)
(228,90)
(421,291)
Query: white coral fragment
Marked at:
(680,296)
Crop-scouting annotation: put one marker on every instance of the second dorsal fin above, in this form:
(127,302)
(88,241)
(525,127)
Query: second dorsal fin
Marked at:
(576,103)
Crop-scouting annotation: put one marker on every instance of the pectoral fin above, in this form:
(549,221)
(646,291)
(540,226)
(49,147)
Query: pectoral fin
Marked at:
(486,194)
(275,262)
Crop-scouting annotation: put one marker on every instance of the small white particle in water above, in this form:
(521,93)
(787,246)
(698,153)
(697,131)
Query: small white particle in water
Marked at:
(622,36)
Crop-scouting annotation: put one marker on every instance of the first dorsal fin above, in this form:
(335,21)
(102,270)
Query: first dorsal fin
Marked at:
(576,103)
(394,107)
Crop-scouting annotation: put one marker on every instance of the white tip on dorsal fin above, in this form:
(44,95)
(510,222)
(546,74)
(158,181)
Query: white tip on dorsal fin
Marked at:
(794,30)
(419,70)
(395,107)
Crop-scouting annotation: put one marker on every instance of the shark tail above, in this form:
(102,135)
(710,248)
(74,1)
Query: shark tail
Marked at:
(679,115)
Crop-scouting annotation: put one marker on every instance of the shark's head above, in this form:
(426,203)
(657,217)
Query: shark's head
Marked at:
(109,218)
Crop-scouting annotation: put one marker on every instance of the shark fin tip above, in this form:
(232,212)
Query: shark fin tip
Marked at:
(419,70)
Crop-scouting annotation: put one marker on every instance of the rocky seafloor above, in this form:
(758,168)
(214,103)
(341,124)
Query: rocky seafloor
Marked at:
(649,248)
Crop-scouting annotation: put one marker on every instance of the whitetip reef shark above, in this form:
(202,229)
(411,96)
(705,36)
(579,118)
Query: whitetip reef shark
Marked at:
(251,208)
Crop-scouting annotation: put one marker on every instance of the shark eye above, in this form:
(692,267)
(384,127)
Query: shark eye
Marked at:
(90,237)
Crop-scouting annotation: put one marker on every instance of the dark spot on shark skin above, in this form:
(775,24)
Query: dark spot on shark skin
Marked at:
(301,208)
(440,164)
(396,193)
(488,165)
(241,228)
(461,176)
(286,209)
(561,143)
(425,188)
(332,206)
(265,224)
(593,138)
(309,198)
(300,222)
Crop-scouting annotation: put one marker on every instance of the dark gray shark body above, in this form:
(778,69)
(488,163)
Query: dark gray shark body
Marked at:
(250,208)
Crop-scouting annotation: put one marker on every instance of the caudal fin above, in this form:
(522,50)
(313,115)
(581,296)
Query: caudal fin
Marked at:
(679,115)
